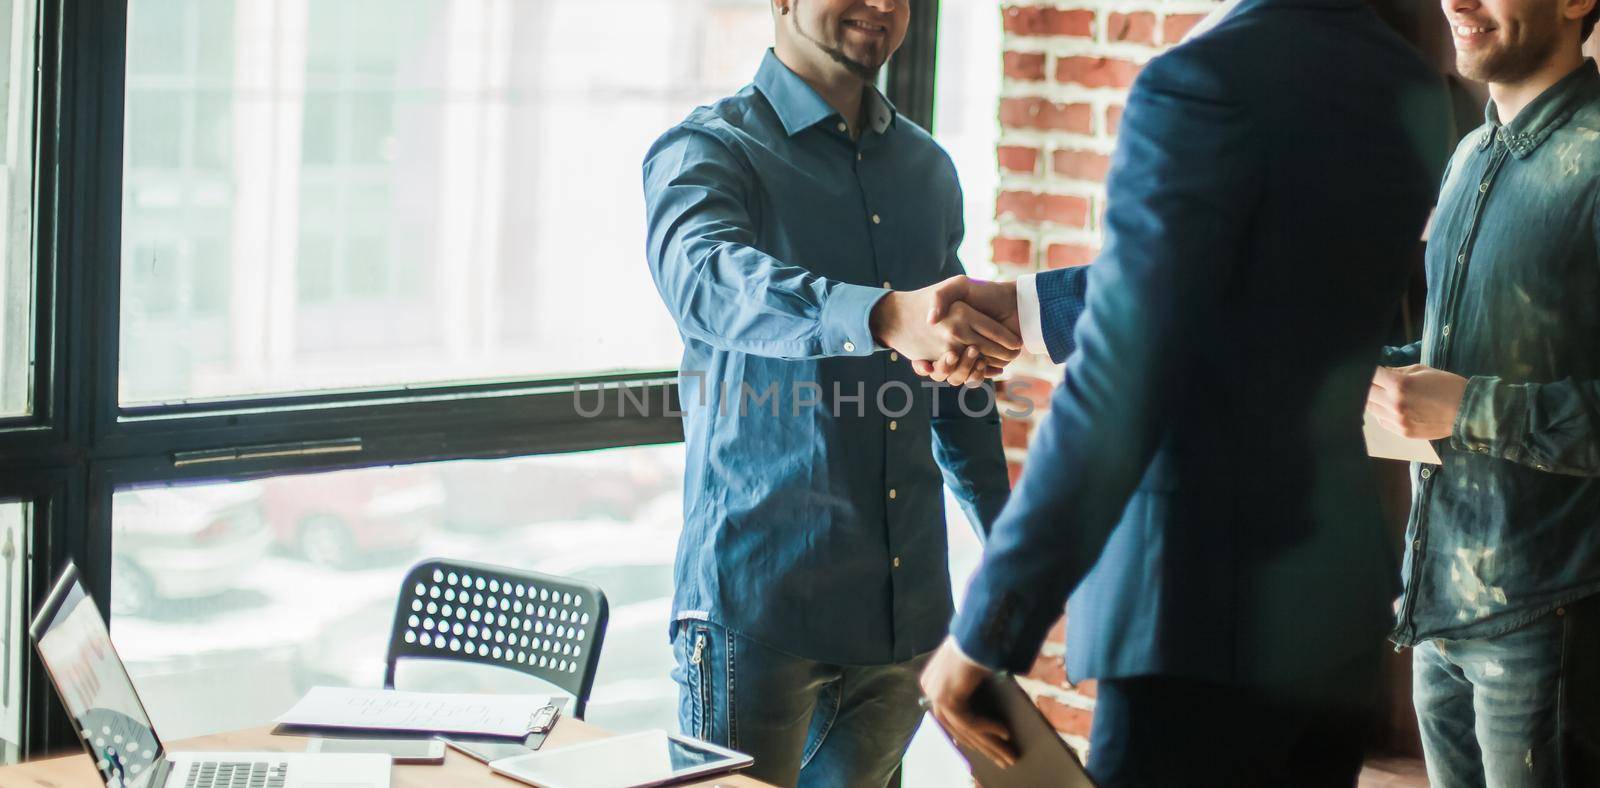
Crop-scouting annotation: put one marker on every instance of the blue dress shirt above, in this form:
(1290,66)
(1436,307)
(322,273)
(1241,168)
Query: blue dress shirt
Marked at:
(813,503)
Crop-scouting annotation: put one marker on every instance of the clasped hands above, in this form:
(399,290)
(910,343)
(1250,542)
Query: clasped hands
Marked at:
(960,331)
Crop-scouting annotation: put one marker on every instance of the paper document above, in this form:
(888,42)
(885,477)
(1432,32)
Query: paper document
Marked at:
(1389,446)
(433,712)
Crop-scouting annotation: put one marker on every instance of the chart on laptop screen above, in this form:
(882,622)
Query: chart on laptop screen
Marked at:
(97,693)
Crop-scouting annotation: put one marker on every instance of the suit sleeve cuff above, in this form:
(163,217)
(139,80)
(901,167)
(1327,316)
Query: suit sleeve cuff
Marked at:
(847,320)
(1028,315)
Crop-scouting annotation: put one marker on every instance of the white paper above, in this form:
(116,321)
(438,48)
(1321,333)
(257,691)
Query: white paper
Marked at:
(1389,446)
(436,712)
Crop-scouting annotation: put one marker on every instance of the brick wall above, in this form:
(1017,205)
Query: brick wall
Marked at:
(1067,71)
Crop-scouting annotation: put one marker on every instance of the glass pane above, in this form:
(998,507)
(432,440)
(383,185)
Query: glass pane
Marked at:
(356,193)
(14,645)
(16,206)
(967,98)
(292,580)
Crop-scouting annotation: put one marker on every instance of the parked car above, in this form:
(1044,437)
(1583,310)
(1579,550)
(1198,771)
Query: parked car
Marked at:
(338,519)
(498,494)
(182,543)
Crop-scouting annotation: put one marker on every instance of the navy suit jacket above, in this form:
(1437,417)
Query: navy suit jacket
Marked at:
(1200,485)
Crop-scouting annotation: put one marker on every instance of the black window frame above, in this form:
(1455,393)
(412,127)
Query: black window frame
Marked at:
(80,444)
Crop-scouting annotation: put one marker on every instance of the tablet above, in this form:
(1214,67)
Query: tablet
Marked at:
(1043,758)
(633,761)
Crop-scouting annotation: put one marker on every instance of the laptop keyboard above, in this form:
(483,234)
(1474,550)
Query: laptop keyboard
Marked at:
(217,774)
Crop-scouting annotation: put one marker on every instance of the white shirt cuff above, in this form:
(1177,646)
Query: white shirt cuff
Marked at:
(1028,315)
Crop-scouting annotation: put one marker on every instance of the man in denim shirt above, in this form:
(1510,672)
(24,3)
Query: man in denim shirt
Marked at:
(790,229)
(1502,567)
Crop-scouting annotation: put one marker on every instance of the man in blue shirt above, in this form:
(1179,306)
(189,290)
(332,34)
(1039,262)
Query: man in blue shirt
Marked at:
(795,229)
(1502,562)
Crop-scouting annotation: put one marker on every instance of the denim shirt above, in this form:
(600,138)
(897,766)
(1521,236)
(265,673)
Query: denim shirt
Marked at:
(1508,526)
(813,502)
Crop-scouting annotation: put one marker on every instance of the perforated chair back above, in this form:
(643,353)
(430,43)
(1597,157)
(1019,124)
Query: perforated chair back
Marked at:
(545,626)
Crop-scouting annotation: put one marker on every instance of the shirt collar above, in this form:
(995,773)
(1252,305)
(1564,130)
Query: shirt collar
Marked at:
(799,106)
(1545,114)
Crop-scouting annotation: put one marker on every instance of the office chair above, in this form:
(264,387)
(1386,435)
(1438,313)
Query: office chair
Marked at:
(541,625)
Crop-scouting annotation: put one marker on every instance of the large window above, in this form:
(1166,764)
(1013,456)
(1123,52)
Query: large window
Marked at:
(297,292)
(294,579)
(16,193)
(356,193)
(966,120)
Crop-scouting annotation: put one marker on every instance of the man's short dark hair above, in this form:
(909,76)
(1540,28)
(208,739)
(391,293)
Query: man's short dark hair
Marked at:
(1588,22)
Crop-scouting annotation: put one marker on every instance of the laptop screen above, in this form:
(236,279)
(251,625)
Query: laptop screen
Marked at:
(95,688)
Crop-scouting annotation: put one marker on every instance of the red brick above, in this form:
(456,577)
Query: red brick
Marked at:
(1016,251)
(1050,670)
(1014,433)
(1022,205)
(1066,210)
(1135,28)
(1021,392)
(1028,66)
(1096,72)
(1176,26)
(1035,21)
(1017,158)
(1033,113)
(1058,631)
(1113,119)
(1061,209)
(1068,255)
(1070,720)
(1081,164)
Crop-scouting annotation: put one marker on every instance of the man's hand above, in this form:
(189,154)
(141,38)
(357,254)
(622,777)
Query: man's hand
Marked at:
(906,322)
(948,683)
(1416,401)
(998,300)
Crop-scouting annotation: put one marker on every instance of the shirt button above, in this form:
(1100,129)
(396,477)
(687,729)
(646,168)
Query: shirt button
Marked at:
(894,356)
(897,562)
(894,425)
(1426,472)
(1416,544)
(1561,611)
(1483,187)
(1447,331)
(849,347)
(887,286)
(892,493)
(844,127)
(1461,258)
(858,157)
(876,219)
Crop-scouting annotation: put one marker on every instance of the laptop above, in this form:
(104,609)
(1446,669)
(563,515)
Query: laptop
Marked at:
(110,719)
(1042,757)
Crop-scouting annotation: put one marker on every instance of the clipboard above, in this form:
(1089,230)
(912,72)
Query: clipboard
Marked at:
(486,749)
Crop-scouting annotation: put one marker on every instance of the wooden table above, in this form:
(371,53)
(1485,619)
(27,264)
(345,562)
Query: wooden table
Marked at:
(457,769)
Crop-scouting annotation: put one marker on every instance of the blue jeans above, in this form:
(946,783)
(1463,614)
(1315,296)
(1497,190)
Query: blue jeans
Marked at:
(806,723)
(1518,709)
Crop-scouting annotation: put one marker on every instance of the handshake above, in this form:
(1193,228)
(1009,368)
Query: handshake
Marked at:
(960,331)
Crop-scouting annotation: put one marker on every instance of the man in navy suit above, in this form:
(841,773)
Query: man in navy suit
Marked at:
(1200,487)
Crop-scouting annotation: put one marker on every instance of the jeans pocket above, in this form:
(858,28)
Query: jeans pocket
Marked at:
(700,681)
